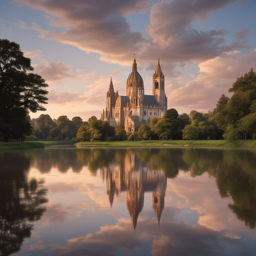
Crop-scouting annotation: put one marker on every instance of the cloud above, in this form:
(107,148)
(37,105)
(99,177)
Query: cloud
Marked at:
(98,88)
(22,25)
(37,246)
(55,213)
(242,34)
(61,187)
(177,238)
(53,72)
(42,32)
(215,77)
(34,54)
(101,27)
(63,97)
(84,77)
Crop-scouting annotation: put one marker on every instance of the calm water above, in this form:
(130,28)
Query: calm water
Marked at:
(70,201)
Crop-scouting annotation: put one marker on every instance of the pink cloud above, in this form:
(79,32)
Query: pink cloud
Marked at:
(215,77)
(63,97)
(53,72)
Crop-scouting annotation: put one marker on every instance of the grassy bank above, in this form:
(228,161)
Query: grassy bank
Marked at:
(20,145)
(31,144)
(245,144)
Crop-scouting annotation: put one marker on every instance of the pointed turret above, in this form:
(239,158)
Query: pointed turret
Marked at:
(158,212)
(158,72)
(111,90)
(111,198)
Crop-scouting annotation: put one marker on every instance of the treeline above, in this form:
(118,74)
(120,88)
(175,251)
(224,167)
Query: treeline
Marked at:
(46,128)
(233,118)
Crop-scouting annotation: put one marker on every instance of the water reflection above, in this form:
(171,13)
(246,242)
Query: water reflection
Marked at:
(130,177)
(21,201)
(234,170)
(135,178)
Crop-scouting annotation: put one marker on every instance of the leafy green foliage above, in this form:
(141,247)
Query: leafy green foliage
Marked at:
(190,132)
(120,132)
(20,91)
(170,126)
(144,132)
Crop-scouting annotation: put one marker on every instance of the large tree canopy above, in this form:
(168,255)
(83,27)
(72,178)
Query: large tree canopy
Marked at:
(20,91)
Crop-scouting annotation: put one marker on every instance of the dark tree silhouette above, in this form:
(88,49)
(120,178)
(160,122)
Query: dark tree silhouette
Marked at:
(20,91)
(20,201)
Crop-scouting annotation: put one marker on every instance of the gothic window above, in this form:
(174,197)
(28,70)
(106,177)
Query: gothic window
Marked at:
(145,113)
(116,114)
(154,113)
(155,200)
(156,85)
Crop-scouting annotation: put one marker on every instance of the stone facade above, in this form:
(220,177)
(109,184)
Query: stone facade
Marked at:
(136,108)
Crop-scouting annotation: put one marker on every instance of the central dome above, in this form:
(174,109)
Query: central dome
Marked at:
(134,79)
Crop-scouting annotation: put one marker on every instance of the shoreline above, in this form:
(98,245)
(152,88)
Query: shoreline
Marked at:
(218,144)
(239,144)
(6,146)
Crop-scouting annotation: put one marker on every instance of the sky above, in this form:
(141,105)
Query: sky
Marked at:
(78,45)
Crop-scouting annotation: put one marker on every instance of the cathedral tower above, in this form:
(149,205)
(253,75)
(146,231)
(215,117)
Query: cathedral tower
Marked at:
(159,88)
(135,92)
(110,99)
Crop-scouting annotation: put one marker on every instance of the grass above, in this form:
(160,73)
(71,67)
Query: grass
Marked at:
(20,145)
(31,144)
(243,144)
(246,144)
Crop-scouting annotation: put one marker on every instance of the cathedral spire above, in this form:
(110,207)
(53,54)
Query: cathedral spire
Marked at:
(134,66)
(111,87)
(158,69)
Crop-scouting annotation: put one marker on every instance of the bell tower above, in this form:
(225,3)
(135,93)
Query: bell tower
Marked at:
(159,88)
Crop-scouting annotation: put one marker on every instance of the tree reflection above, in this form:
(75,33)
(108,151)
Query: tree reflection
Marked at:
(235,176)
(234,170)
(20,201)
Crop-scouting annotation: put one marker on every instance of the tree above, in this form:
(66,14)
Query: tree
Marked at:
(153,122)
(42,126)
(83,133)
(184,119)
(247,125)
(20,90)
(120,132)
(169,126)
(222,112)
(231,133)
(77,121)
(144,132)
(190,132)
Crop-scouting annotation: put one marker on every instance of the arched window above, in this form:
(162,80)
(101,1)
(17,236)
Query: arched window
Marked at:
(156,85)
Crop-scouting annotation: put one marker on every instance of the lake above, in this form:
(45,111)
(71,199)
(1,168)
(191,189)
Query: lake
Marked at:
(68,201)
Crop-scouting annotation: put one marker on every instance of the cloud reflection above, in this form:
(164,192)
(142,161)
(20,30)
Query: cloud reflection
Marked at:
(175,238)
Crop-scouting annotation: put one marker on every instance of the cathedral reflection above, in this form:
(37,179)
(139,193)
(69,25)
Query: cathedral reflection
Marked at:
(135,178)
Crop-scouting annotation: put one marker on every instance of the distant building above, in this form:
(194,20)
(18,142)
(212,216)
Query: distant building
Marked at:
(136,108)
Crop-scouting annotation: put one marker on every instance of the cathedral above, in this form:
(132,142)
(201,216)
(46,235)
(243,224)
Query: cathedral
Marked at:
(136,108)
